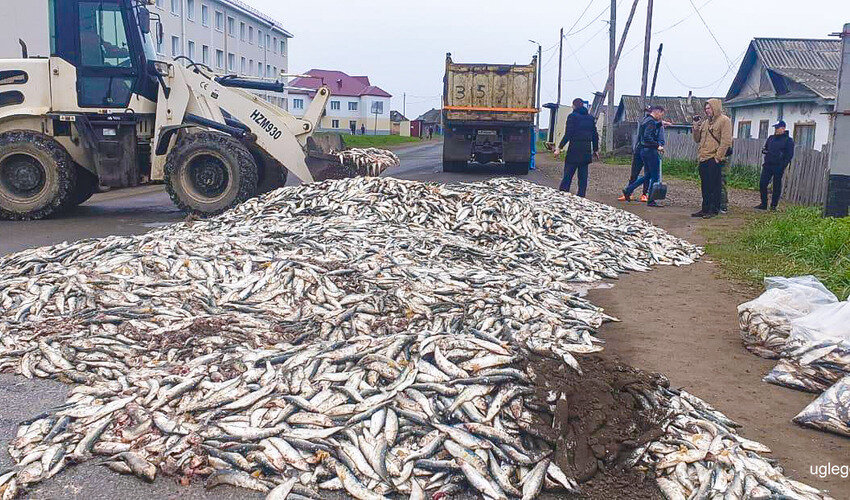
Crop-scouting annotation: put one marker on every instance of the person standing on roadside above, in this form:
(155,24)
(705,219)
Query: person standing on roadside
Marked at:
(714,136)
(637,162)
(778,152)
(583,138)
(650,144)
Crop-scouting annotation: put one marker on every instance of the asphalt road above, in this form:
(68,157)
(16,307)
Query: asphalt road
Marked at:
(126,212)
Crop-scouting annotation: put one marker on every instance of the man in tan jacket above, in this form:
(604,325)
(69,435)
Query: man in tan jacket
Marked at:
(713,133)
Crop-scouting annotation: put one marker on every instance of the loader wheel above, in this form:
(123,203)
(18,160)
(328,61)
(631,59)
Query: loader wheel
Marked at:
(85,188)
(206,173)
(37,175)
(271,173)
(454,166)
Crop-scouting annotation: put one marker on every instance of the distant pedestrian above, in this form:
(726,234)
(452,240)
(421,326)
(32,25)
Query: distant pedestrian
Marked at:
(430,133)
(583,137)
(714,136)
(353,126)
(778,152)
(362,129)
(650,143)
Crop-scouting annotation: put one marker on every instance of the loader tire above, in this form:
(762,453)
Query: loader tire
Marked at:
(86,187)
(518,168)
(454,166)
(207,172)
(37,175)
(271,174)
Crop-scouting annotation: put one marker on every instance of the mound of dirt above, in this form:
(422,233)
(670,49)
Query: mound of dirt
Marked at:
(600,418)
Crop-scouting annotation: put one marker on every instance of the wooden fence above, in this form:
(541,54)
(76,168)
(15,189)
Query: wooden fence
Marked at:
(805,179)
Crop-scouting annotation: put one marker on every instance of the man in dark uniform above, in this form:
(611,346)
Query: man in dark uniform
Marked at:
(584,145)
(778,152)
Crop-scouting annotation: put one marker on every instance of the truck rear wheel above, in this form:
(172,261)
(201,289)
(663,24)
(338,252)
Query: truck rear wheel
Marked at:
(518,168)
(206,173)
(37,175)
(454,166)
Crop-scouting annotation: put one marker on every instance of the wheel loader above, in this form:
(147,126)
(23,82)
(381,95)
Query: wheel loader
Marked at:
(102,110)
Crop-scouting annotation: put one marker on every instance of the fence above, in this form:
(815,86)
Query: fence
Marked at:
(805,179)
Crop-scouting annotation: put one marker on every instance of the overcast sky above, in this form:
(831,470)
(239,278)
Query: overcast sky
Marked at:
(401,45)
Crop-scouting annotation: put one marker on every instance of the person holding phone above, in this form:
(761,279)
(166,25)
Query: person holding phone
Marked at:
(714,136)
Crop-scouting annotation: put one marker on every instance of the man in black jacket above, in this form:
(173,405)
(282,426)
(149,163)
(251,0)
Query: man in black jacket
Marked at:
(584,145)
(778,152)
(650,144)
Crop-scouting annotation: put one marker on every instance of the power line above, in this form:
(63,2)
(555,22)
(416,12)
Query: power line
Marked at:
(709,31)
(732,64)
(680,21)
(607,7)
(569,31)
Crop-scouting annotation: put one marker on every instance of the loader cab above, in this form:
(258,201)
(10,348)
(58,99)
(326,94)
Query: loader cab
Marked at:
(108,42)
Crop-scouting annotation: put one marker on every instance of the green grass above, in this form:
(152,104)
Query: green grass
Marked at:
(740,176)
(376,141)
(791,242)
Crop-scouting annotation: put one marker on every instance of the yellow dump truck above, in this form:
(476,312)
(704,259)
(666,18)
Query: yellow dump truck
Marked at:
(488,114)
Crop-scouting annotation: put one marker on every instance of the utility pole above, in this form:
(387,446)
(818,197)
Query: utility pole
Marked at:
(612,44)
(404,105)
(539,73)
(647,41)
(838,188)
(609,84)
(560,64)
(655,75)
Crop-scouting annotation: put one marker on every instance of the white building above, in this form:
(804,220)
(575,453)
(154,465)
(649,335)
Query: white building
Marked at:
(355,103)
(786,79)
(229,36)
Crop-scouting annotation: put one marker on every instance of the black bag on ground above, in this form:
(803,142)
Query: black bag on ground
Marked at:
(657,190)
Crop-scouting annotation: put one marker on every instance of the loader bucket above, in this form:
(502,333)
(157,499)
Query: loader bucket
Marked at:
(321,163)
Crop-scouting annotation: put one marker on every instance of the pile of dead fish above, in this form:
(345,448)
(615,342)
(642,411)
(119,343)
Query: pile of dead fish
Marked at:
(367,161)
(360,335)
(702,456)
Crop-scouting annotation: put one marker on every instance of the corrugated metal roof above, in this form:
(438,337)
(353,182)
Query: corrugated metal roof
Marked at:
(678,110)
(811,63)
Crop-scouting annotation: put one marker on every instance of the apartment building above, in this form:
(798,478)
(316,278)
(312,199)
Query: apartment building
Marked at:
(229,36)
(355,103)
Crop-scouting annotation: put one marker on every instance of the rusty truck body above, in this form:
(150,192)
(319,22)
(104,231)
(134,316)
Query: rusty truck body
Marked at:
(488,114)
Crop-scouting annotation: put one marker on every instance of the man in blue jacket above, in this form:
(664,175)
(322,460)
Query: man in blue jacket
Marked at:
(584,145)
(649,141)
(778,152)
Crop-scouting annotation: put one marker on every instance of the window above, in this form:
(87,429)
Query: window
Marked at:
(274,45)
(283,47)
(298,104)
(268,40)
(159,3)
(335,123)
(205,54)
(219,21)
(274,72)
(190,10)
(804,135)
(334,104)
(352,124)
(250,66)
(231,26)
(175,6)
(159,46)
(268,70)
(243,65)
(191,48)
(352,106)
(231,62)
(205,15)
(219,59)
(259,68)
(242,31)
(175,46)
(250,34)
(103,45)
(744,130)
(764,126)
(260,38)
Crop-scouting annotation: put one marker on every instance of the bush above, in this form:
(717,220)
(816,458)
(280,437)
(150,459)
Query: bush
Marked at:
(789,243)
